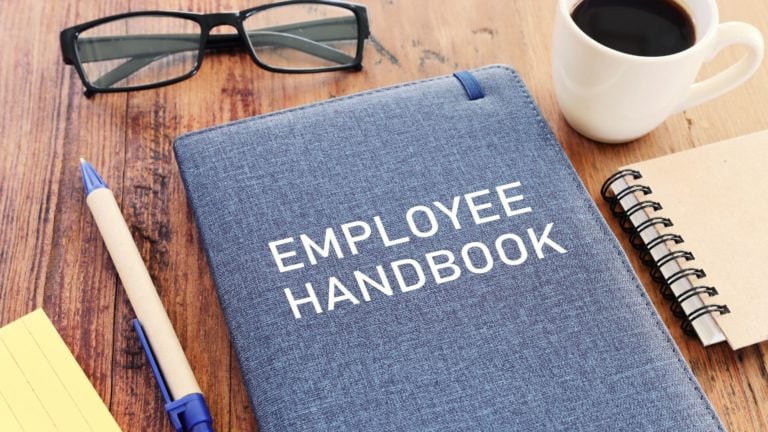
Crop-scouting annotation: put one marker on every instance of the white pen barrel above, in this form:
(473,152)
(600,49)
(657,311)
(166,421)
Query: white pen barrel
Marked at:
(142,293)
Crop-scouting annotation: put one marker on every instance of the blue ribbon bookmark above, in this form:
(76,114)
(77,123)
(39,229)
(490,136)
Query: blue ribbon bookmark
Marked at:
(471,85)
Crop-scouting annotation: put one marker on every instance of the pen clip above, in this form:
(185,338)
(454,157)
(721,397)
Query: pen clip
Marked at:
(153,363)
(192,407)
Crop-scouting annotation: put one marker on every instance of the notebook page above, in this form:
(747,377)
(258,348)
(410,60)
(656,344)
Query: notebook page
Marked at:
(715,195)
(43,387)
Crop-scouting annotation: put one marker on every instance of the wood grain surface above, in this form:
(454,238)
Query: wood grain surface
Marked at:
(51,255)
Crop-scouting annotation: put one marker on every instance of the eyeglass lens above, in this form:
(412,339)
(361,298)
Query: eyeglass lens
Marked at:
(303,36)
(138,51)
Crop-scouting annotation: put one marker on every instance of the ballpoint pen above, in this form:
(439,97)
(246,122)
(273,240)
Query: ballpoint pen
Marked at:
(184,401)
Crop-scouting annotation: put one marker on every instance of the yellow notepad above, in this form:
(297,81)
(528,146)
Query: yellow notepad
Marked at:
(42,388)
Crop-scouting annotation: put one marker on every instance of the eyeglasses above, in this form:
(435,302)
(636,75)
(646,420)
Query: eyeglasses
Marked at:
(142,50)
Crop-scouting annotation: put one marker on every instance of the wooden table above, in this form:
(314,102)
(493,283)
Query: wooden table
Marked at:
(51,255)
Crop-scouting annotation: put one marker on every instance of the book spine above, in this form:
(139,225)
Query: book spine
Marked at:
(646,245)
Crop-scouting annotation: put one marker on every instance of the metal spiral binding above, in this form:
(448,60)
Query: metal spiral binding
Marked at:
(645,254)
(615,205)
(645,249)
(636,238)
(656,274)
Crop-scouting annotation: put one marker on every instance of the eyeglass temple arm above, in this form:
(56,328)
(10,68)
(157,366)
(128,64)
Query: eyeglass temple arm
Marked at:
(109,48)
(114,47)
(93,49)
(142,60)
(118,47)
(264,38)
(321,30)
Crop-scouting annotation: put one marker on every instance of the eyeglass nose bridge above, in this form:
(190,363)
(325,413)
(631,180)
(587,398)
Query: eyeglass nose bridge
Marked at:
(221,41)
(211,21)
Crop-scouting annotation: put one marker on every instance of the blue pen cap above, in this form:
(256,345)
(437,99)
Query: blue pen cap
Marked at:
(191,413)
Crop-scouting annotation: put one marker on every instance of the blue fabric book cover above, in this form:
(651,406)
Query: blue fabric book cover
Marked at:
(410,259)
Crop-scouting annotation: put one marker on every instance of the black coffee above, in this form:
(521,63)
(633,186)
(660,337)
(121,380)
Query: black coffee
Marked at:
(648,28)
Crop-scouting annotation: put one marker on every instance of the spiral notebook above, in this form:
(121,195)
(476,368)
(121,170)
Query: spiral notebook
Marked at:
(698,220)
(424,257)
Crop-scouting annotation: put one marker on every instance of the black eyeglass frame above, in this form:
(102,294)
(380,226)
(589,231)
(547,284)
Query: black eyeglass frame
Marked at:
(68,38)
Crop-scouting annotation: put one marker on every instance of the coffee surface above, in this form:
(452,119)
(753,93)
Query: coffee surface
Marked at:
(649,28)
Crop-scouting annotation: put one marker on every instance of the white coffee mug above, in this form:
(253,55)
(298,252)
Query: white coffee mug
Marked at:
(614,97)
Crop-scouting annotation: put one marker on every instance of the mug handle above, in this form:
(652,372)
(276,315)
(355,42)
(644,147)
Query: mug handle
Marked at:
(732,33)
